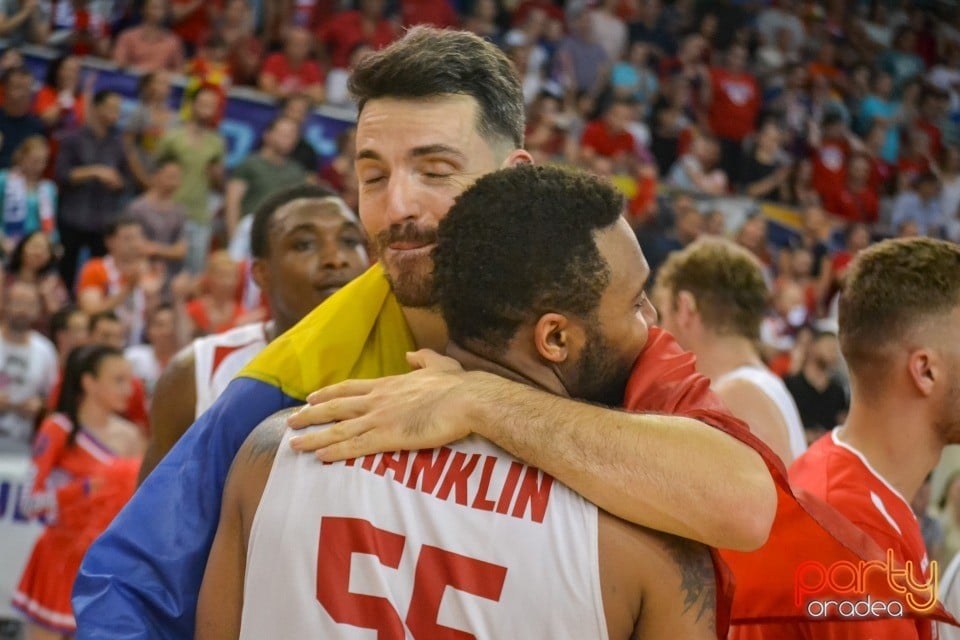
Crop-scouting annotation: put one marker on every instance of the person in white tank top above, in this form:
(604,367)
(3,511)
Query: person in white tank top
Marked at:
(465,541)
(306,244)
(712,297)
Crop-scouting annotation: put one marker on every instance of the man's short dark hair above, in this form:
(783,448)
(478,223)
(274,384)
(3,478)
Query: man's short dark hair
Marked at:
(165,160)
(13,72)
(103,95)
(61,318)
(428,63)
(97,318)
(263,216)
(520,243)
(123,220)
(892,288)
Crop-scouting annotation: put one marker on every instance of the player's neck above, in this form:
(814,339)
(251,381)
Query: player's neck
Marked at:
(428,328)
(895,439)
(719,355)
(92,416)
(11,336)
(511,368)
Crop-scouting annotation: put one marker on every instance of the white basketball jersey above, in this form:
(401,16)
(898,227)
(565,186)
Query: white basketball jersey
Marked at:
(774,388)
(460,542)
(218,358)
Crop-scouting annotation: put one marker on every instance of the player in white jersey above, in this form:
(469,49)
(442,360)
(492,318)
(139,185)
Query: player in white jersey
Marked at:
(540,280)
(712,296)
(306,244)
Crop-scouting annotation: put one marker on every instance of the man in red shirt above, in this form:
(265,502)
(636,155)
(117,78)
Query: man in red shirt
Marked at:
(734,103)
(608,137)
(899,333)
(831,146)
(293,72)
(857,201)
(346,30)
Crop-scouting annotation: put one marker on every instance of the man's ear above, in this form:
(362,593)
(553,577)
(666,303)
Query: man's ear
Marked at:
(686,308)
(925,370)
(552,337)
(517,157)
(260,273)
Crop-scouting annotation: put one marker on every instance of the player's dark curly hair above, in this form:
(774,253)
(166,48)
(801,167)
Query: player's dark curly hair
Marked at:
(520,243)
(429,63)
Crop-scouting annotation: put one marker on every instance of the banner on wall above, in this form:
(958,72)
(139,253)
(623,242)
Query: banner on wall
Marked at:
(247,114)
(17,532)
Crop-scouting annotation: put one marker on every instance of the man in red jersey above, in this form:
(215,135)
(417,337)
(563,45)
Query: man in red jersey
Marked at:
(899,330)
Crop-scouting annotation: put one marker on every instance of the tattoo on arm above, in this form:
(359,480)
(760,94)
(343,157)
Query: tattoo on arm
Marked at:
(698,585)
(264,441)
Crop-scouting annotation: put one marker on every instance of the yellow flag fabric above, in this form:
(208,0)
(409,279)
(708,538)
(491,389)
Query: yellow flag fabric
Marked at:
(359,332)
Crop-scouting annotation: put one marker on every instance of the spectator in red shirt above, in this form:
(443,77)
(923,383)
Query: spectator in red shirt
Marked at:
(292,72)
(734,103)
(438,13)
(915,159)
(193,20)
(831,148)
(934,104)
(857,201)
(346,30)
(608,137)
(60,103)
(244,48)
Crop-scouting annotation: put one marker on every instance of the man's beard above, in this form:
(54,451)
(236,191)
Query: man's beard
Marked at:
(601,375)
(948,427)
(19,324)
(410,277)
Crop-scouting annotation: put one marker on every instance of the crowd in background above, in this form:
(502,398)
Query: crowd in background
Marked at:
(120,224)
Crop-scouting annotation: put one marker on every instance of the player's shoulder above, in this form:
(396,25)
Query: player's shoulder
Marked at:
(649,565)
(261,446)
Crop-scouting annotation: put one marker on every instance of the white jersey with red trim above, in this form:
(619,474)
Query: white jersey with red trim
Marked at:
(218,358)
(774,388)
(463,541)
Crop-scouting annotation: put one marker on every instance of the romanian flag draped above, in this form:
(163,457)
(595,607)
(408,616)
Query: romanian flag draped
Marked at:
(141,578)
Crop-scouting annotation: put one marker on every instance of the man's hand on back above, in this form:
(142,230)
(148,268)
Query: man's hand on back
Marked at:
(419,410)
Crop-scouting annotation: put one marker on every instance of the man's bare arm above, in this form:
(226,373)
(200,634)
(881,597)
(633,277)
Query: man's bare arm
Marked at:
(220,605)
(172,409)
(679,591)
(668,473)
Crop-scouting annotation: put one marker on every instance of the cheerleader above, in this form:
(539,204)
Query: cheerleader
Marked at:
(85,464)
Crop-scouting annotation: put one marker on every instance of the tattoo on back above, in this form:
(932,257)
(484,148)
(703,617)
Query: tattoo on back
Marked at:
(698,584)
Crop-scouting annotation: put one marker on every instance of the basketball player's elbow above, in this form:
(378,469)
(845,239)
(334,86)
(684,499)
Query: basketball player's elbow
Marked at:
(752,506)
